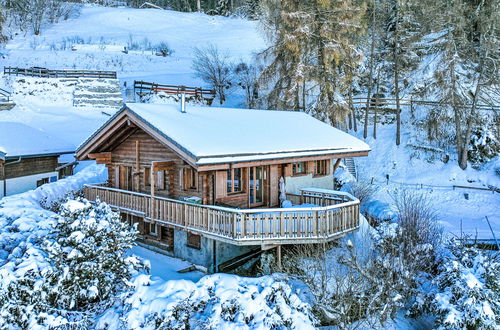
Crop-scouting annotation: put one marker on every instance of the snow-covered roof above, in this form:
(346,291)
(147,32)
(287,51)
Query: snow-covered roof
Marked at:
(17,139)
(220,135)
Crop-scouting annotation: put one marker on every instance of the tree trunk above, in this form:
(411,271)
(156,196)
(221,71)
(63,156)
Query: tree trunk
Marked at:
(198,5)
(396,75)
(353,110)
(463,156)
(376,107)
(370,81)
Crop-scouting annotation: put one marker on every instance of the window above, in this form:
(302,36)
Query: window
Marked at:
(190,179)
(151,228)
(193,241)
(147,176)
(322,167)
(234,180)
(299,168)
(42,181)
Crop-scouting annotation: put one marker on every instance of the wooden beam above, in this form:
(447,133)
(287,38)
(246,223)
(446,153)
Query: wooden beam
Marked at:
(336,165)
(225,166)
(101,158)
(162,165)
(118,137)
(278,252)
(152,183)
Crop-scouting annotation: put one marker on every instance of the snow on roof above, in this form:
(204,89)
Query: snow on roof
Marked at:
(219,135)
(17,139)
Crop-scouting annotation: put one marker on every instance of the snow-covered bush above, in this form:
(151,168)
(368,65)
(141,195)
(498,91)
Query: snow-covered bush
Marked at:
(217,301)
(74,271)
(163,49)
(362,190)
(466,293)
(483,146)
(87,252)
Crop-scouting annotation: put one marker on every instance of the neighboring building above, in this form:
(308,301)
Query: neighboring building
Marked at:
(28,158)
(197,182)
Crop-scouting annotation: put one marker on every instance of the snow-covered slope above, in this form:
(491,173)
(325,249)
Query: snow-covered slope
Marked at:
(47,104)
(407,167)
(139,30)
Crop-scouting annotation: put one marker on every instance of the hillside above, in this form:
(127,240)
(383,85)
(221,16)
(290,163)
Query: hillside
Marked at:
(98,35)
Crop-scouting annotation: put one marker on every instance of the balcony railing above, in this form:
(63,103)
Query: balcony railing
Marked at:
(337,215)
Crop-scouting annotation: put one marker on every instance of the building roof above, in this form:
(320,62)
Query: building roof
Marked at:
(17,139)
(222,135)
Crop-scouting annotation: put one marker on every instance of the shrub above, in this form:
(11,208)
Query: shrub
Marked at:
(466,291)
(74,272)
(163,49)
(483,146)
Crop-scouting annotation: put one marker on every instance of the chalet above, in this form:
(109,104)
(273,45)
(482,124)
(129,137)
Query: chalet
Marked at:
(28,157)
(206,184)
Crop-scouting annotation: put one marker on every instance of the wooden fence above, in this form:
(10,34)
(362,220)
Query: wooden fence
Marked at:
(241,226)
(142,88)
(47,73)
(4,95)
(384,102)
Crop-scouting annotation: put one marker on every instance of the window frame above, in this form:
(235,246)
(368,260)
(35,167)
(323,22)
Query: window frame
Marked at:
(147,177)
(151,232)
(230,181)
(321,167)
(189,240)
(189,179)
(304,169)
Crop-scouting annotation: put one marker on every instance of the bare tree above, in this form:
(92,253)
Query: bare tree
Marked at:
(214,67)
(246,76)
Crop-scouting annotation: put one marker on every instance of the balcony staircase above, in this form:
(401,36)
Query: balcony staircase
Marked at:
(238,261)
(350,164)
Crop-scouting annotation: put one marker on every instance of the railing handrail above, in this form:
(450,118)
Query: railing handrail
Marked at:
(354,201)
(43,72)
(240,225)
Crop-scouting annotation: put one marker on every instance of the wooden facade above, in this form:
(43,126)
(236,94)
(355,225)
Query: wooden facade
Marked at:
(140,163)
(159,184)
(16,168)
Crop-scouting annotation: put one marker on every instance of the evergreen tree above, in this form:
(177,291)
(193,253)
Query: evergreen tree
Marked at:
(75,272)
(313,44)
(337,24)
(467,42)
(288,27)
(87,250)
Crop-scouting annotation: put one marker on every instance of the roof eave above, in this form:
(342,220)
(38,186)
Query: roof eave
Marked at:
(48,154)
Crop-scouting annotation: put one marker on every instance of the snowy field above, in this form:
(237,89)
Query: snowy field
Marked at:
(139,28)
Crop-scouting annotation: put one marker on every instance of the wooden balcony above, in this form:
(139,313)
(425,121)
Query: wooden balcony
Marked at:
(337,215)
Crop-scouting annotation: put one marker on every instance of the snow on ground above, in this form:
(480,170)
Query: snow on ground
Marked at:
(48,105)
(142,28)
(458,209)
(166,267)
(219,301)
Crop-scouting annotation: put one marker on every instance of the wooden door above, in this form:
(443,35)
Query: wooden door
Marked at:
(126,181)
(256,193)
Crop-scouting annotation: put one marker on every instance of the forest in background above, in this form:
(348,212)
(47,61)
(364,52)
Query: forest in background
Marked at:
(324,54)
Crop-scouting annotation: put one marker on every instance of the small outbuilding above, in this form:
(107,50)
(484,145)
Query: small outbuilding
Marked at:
(29,157)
